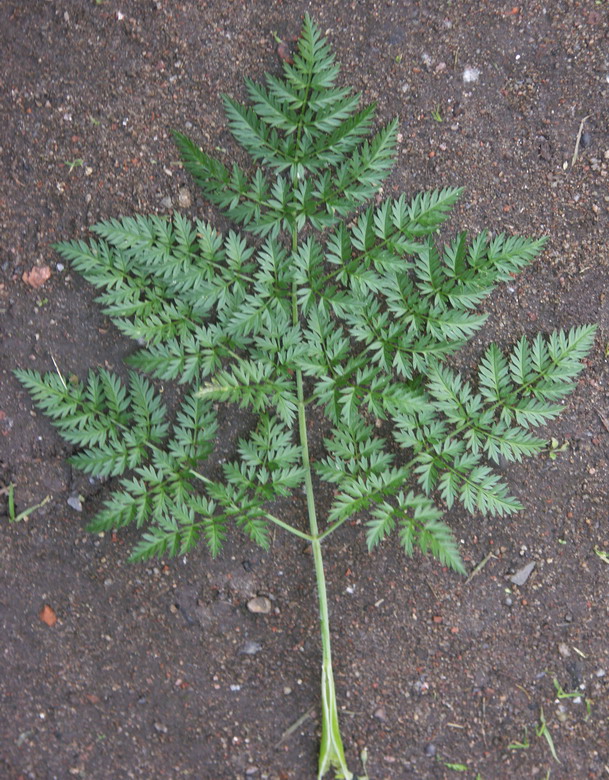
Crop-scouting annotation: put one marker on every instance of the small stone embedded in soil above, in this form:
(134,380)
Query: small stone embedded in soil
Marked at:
(48,616)
(430,750)
(470,75)
(161,728)
(380,713)
(75,503)
(421,687)
(563,649)
(522,575)
(260,605)
(184,198)
(250,648)
(37,276)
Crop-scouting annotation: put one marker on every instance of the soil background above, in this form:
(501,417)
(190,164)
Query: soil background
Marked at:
(159,670)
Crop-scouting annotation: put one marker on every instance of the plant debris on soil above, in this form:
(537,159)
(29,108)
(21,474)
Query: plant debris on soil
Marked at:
(166,670)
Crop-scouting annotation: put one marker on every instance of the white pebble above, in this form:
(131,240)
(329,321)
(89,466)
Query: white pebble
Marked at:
(471,74)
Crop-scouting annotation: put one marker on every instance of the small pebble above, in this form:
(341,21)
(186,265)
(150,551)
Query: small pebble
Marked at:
(430,750)
(586,140)
(522,575)
(184,198)
(380,713)
(470,75)
(600,672)
(508,601)
(166,202)
(260,605)
(75,503)
(250,648)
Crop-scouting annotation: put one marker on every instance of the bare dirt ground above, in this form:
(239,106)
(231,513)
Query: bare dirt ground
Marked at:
(160,671)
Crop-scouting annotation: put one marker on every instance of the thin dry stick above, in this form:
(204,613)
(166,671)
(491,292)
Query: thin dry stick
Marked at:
(63,381)
(578,139)
(288,732)
(480,566)
(603,419)
(482,720)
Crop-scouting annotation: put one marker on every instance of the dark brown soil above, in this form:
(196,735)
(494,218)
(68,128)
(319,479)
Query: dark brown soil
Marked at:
(151,671)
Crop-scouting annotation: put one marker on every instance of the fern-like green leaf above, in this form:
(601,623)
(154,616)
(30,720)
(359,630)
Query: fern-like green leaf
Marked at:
(356,322)
(332,301)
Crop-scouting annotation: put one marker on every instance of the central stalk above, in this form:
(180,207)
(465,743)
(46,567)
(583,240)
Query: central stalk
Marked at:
(332,752)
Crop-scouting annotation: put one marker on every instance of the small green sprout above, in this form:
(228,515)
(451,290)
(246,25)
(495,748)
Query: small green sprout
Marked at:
(604,556)
(436,115)
(455,767)
(524,745)
(78,163)
(13,517)
(364,759)
(588,703)
(562,694)
(543,731)
(555,448)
